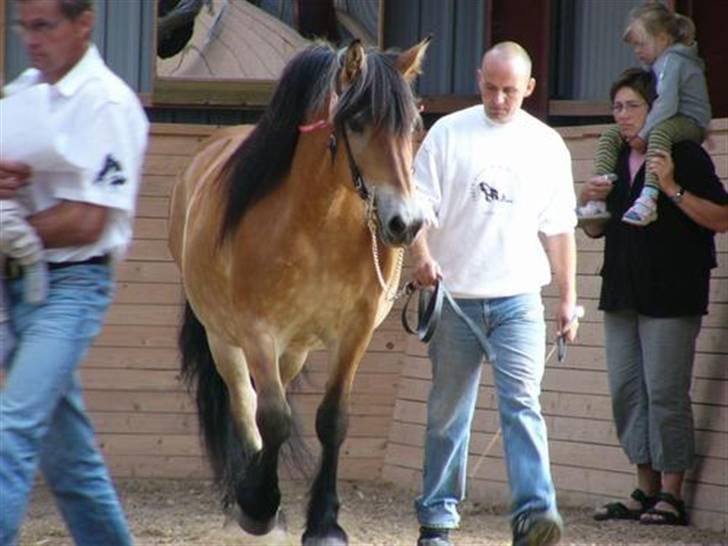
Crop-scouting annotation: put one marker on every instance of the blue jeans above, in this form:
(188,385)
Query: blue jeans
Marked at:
(43,421)
(515,330)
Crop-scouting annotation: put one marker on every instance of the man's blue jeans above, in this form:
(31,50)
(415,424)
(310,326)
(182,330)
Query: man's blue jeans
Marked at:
(515,330)
(43,420)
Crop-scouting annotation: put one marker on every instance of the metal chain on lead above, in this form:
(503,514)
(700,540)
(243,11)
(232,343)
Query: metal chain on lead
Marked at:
(372,225)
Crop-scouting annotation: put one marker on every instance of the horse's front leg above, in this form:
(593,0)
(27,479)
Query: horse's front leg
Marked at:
(258,494)
(332,419)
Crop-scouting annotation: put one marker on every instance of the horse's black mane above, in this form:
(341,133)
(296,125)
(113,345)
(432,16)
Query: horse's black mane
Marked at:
(379,97)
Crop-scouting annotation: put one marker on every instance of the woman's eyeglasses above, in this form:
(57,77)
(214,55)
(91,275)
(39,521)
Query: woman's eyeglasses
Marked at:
(629,106)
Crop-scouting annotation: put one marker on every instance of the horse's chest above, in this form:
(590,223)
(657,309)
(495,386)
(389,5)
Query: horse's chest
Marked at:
(309,313)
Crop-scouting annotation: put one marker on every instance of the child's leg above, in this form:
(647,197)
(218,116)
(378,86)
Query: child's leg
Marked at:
(661,139)
(610,142)
(605,162)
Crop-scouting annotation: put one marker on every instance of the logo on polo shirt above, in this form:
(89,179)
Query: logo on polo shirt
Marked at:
(111,173)
(492,194)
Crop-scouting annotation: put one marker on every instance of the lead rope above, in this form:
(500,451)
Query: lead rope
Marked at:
(427,322)
(558,344)
(497,434)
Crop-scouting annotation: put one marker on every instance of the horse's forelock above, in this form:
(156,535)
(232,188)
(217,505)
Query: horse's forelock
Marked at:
(382,94)
(304,91)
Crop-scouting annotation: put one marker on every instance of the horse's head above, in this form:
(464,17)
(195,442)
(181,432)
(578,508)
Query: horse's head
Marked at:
(376,116)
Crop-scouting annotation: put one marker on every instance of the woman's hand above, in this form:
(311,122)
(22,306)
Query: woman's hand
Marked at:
(663,168)
(595,188)
(13,175)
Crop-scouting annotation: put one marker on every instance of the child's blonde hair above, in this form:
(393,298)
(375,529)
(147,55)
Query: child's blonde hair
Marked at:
(655,18)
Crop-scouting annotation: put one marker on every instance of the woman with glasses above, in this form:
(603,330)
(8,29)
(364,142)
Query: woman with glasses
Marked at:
(664,41)
(655,285)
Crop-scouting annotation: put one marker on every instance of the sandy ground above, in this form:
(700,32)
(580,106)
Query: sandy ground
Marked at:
(187,513)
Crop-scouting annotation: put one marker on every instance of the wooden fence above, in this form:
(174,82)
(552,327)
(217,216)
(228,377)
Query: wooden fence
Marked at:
(147,425)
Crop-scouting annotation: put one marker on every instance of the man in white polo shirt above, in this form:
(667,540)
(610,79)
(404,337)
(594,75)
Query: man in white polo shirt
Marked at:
(84,218)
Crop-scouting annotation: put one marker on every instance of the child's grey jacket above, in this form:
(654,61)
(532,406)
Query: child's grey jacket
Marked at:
(681,88)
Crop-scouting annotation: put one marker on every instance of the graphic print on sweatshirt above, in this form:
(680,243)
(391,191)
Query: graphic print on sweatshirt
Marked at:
(493,189)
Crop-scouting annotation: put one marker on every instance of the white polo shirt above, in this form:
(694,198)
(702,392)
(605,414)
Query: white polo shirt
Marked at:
(103,128)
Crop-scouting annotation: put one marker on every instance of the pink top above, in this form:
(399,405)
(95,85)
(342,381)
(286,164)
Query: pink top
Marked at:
(636,160)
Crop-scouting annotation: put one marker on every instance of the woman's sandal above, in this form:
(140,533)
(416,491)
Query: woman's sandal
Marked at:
(618,510)
(653,516)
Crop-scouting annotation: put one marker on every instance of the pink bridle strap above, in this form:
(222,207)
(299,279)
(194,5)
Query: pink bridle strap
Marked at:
(320,124)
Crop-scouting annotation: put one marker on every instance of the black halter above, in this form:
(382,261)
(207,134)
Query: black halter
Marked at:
(356,175)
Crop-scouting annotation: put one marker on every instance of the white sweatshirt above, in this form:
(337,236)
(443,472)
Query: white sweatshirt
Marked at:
(492,188)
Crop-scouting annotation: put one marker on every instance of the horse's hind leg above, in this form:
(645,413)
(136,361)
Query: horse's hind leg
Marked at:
(332,419)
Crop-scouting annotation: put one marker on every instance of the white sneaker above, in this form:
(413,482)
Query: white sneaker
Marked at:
(593,211)
(642,212)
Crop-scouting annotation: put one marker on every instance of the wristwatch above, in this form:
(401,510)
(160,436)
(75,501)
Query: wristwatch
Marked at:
(678,195)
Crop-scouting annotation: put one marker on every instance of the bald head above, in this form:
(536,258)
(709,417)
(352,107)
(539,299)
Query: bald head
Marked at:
(505,80)
(511,53)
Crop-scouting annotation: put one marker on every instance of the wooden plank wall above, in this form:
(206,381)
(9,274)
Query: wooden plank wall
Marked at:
(147,424)
(588,464)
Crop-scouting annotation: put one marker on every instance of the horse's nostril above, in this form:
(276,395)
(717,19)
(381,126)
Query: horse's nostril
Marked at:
(415,227)
(397,226)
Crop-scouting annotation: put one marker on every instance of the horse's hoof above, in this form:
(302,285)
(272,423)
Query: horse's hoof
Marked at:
(260,527)
(335,537)
(325,541)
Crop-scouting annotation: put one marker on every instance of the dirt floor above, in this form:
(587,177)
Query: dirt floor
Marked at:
(187,513)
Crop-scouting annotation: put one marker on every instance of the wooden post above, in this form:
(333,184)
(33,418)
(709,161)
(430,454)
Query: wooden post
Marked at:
(528,23)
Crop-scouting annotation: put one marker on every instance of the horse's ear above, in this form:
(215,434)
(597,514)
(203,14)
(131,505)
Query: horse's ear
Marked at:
(353,63)
(410,62)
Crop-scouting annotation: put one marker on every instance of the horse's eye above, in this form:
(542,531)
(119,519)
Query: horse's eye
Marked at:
(356,125)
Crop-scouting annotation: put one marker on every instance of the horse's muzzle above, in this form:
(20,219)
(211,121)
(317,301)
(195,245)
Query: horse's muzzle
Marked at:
(398,232)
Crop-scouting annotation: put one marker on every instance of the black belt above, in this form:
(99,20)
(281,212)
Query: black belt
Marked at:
(14,270)
(96,260)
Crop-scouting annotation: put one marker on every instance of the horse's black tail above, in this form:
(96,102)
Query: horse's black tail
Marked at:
(222,441)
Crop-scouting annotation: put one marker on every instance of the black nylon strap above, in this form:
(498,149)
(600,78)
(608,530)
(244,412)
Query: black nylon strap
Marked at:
(429,310)
(356,176)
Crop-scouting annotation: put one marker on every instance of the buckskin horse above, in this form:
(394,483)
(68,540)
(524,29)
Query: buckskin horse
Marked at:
(289,237)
